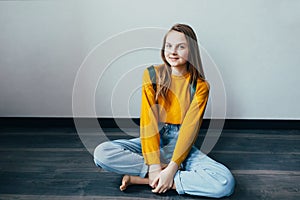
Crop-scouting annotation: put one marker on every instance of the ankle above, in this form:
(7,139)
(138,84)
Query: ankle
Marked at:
(174,186)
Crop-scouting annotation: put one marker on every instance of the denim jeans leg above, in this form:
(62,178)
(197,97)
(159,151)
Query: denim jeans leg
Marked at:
(202,176)
(122,157)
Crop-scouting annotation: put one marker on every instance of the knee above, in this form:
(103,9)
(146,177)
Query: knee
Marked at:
(102,153)
(225,189)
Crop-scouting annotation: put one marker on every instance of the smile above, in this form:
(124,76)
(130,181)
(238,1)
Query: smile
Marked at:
(173,59)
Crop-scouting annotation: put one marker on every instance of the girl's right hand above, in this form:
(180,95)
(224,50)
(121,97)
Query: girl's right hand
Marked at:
(154,171)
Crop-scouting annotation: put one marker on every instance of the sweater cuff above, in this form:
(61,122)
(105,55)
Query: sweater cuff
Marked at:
(152,158)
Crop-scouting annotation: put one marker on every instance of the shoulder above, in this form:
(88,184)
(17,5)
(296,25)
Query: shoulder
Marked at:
(146,75)
(203,86)
(156,68)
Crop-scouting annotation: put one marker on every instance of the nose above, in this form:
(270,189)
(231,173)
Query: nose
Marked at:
(173,50)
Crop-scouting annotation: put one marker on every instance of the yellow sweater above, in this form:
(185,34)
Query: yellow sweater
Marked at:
(180,110)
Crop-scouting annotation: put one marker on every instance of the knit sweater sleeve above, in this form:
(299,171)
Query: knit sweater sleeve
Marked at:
(191,123)
(149,133)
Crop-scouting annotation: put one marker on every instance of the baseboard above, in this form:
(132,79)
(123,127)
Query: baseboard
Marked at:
(129,123)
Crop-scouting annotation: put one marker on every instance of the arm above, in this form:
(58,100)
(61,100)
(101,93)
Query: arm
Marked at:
(191,123)
(149,134)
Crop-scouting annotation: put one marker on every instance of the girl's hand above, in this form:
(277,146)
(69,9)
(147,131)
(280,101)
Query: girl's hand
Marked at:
(154,171)
(165,180)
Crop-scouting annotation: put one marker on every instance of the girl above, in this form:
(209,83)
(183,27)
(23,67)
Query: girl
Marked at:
(166,158)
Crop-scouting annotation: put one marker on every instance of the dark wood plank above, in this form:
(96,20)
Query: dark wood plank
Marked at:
(230,142)
(271,186)
(43,160)
(97,184)
(92,184)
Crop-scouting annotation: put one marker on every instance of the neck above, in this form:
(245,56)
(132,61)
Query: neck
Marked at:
(179,70)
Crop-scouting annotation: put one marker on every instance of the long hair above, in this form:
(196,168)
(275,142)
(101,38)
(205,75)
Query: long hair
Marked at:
(194,64)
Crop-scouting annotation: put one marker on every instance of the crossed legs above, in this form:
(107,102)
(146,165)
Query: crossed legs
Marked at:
(200,175)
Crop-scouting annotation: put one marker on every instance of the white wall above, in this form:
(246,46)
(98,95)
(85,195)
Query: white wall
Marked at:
(255,45)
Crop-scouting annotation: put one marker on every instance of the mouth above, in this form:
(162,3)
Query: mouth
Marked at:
(173,58)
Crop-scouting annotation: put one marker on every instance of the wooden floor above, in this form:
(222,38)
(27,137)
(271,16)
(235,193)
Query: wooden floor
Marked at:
(52,163)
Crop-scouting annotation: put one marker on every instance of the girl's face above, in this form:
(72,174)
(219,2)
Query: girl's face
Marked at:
(176,49)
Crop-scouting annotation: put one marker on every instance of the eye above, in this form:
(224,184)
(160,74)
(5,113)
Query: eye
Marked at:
(181,47)
(168,45)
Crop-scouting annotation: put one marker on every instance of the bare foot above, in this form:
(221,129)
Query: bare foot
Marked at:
(125,182)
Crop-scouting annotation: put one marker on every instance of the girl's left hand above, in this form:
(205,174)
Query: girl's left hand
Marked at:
(165,179)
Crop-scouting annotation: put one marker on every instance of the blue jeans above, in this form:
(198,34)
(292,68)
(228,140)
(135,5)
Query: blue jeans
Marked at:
(198,175)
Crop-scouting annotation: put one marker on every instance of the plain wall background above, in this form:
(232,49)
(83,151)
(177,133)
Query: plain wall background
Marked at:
(255,45)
